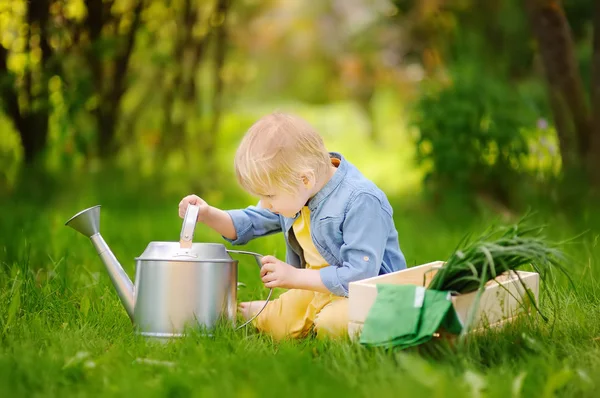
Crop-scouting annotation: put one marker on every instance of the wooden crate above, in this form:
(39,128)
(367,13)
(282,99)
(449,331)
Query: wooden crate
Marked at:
(501,301)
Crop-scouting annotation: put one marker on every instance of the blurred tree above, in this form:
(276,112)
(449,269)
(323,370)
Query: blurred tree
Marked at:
(24,87)
(190,79)
(108,57)
(594,153)
(188,54)
(102,32)
(78,58)
(471,148)
(442,32)
(494,35)
(578,133)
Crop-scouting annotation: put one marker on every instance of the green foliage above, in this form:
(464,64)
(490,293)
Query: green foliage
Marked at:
(470,135)
(78,77)
(500,249)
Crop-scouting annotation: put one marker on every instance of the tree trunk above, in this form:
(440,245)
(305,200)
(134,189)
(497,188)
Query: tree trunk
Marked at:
(30,119)
(208,152)
(173,133)
(107,114)
(35,135)
(593,160)
(106,123)
(567,98)
(220,51)
(10,101)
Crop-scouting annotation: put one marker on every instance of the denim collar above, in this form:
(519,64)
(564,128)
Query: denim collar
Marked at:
(332,184)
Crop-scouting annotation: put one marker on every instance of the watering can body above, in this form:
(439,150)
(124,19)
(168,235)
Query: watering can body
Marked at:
(173,291)
(177,284)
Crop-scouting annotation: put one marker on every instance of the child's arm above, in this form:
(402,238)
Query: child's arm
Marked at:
(310,279)
(214,218)
(221,222)
(236,226)
(252,222)
(366,228)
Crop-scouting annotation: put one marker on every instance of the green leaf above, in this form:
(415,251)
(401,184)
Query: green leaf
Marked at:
(84,305)
(15,303)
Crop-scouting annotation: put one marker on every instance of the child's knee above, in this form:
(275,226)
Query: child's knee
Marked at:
(332,321)
(285,317)
(280,327)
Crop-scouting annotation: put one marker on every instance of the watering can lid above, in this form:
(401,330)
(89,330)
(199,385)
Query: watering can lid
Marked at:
(172,251)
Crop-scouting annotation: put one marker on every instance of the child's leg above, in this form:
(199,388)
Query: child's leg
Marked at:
(286,316)
(250,308)
(332,320)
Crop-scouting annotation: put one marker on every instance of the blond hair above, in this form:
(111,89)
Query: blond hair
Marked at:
(276,151)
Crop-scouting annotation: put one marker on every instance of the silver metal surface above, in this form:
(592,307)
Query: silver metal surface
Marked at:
(171,295)
(86,222)
(257,256)
(118,276)
(167,251)
(174,287)
(161,335)
(189,225)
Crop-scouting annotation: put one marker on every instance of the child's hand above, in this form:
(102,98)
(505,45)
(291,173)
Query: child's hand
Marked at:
(276,273)
(203,207)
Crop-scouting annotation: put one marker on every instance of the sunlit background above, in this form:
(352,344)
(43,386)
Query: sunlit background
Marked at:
(453,90)
(464,112)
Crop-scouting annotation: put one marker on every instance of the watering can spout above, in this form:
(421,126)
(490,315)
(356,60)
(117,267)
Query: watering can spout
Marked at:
(87,222)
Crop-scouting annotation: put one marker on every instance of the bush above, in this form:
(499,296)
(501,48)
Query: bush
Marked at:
(470,139)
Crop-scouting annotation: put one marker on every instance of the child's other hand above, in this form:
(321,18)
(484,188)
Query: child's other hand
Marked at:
(276,273)
(194,200)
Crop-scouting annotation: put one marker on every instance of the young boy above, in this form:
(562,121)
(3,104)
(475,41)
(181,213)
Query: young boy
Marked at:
(337,224)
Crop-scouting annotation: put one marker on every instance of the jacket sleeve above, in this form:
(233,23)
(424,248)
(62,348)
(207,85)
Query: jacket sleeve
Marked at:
(365,231)
(253,222)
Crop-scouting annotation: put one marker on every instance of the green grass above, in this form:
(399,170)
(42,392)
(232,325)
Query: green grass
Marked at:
(64,331)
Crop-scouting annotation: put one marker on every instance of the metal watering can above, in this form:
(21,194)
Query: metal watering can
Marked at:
(177,284)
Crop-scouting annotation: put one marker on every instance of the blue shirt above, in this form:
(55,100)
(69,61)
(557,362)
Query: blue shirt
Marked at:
(351,225)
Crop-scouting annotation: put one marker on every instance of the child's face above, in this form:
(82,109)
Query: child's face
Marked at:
(285,203)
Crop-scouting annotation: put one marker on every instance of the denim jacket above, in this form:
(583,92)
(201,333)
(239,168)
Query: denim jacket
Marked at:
(351,226)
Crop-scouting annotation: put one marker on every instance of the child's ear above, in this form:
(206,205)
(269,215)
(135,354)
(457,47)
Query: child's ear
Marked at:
(308,179)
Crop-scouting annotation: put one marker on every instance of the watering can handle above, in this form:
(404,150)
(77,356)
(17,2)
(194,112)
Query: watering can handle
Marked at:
(257,256)
(189,225)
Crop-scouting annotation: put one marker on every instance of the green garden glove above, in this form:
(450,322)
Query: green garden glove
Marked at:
(408,315)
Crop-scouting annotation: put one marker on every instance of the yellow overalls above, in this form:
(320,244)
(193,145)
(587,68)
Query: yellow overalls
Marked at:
(296,312)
